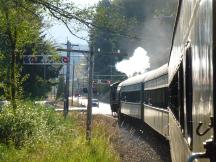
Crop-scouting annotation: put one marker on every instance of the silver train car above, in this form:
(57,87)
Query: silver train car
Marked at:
(192,83)
(181,104)
(145,97)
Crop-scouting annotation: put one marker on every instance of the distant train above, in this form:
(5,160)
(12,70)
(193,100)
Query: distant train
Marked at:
(144,97)
(179,100)
(114,97)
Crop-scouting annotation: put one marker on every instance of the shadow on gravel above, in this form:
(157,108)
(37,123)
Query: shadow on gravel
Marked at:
(144,144)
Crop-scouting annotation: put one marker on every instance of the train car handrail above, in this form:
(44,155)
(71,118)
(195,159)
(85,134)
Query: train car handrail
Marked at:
(157,87)
(133,103)
(157,108)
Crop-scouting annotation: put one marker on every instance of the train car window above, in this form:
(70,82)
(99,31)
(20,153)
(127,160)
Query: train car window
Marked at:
(134,96)
(173,91)
(147,84)
(156,97)
(166,97)
(181,95)
(189,97)
(176,102)
(157,81)
(145,97)
(123,96)
(131,96)
(163,99)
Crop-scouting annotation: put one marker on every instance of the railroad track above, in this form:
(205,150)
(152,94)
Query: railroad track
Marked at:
(139,143)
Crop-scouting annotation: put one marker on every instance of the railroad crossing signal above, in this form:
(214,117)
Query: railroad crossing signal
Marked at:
(45,60)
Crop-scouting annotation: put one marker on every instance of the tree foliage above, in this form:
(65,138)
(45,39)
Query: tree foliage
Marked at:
(20,33)
(16,31)
(143,23)
(113,26)
(40,78)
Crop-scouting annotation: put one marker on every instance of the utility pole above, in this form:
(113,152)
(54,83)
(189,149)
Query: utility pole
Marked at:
(72,90)
(66,100)
(89,107)
(66,95)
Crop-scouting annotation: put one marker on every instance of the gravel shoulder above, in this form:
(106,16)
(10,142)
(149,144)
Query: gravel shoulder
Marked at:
(136,142)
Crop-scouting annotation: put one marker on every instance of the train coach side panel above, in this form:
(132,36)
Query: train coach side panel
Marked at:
(157,119)
(178,147)
(193,45)
(202,66)
(131,109)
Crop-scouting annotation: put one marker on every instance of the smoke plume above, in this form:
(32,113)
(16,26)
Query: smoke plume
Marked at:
(138,63)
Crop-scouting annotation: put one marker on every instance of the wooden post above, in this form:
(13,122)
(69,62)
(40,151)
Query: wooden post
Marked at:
(89,107)
(72,87)
(66,100)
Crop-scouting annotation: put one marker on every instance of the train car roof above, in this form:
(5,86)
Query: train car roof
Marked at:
(114,84)
(146,76)
(156,73)
(133,80)
(176,58)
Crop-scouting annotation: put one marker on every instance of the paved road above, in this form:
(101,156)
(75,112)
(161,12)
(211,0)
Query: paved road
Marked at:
(104,108)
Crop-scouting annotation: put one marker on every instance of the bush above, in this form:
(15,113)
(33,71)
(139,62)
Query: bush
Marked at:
(27,124)
(38,134)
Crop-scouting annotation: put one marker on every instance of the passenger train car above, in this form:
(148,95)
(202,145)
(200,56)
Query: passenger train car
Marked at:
(145,97)
(179,101)
(192,82)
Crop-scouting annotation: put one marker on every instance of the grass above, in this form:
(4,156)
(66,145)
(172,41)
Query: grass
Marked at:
(52,139)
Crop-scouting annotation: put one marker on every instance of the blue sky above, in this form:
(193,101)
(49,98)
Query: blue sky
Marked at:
(59,33)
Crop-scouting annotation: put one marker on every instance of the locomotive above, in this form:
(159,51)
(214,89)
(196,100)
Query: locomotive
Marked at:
(178,100)
(114,97)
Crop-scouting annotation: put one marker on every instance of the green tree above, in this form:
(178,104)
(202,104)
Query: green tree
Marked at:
(143,23)
(40,78)
(16,30)
(20,33)
(113,25)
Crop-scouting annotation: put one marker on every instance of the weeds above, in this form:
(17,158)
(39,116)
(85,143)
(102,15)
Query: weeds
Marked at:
(36,133)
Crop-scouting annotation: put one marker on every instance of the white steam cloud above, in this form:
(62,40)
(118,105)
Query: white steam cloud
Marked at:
(138,63)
